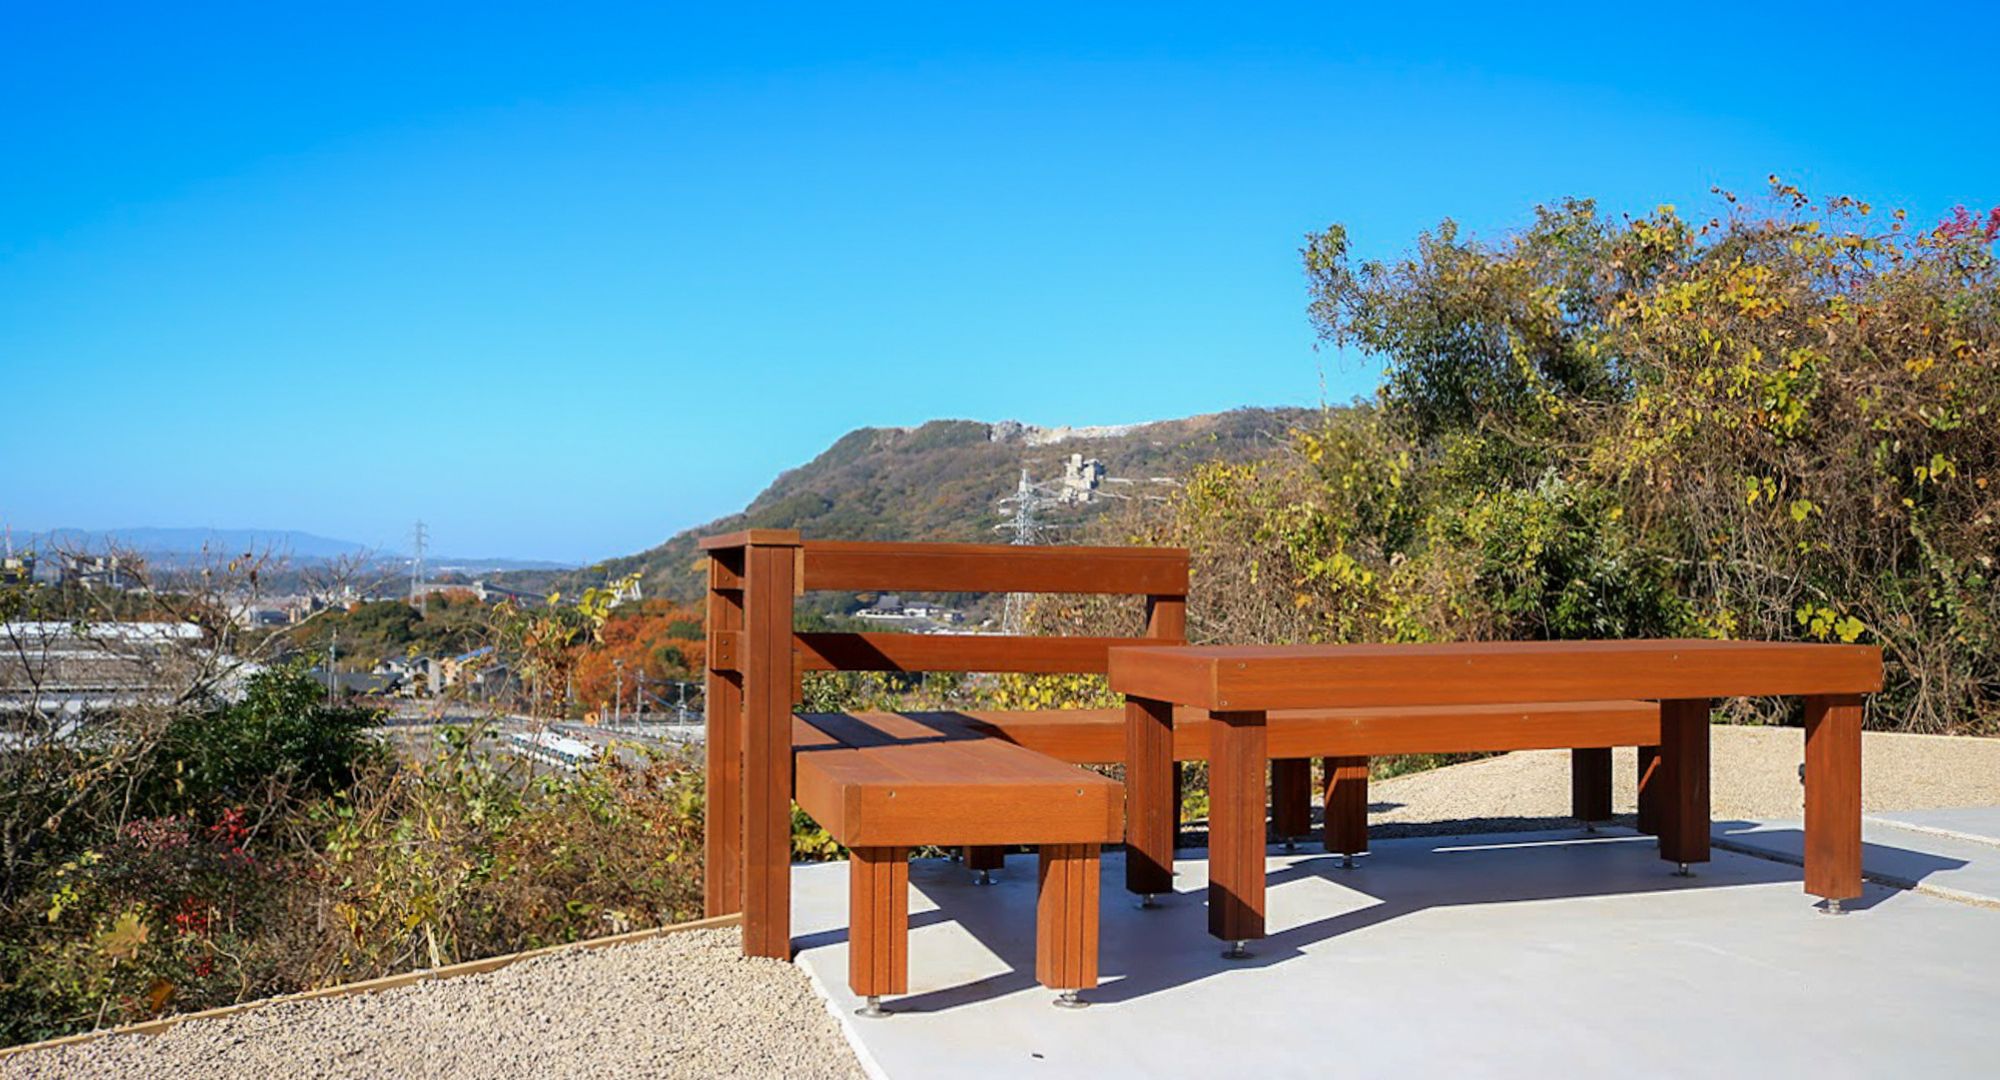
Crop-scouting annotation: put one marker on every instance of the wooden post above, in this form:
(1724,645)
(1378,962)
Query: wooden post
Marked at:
(1066,917)
(1652,790)
(1345,829)
(722,839)
(1151,815)
(878,921)
(1833,797)
(1590,784)
(1683,766)
(770,567)
(985,857)
(1291,797)
(1236,825)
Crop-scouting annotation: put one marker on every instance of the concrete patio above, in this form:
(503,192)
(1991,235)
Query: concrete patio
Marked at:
(1524,954)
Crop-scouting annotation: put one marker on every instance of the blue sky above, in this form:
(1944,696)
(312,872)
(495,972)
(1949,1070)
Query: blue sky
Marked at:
(564,279)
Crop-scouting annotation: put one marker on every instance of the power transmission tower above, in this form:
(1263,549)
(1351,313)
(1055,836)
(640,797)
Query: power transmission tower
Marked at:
(1024,526)
(418,537)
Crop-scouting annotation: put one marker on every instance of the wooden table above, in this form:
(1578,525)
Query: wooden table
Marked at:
(1237,685)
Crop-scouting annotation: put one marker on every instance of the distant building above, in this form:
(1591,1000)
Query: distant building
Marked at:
(1080,480)
(102,572)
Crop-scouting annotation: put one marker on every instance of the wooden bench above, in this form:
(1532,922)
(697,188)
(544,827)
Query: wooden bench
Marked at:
(1347,738)
(882,783)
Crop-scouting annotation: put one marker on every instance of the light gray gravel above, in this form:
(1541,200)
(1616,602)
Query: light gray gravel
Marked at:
(1754,776)
(682,1005)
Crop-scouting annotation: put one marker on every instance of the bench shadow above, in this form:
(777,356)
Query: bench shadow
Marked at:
(1185,954)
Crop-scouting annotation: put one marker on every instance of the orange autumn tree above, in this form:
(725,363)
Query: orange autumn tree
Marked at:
(659,638)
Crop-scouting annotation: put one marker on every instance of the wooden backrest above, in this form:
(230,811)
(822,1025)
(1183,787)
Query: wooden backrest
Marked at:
(1158,574)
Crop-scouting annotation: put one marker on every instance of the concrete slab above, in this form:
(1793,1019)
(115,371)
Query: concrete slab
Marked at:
(1979,824)
(1929,861)
(1516,955)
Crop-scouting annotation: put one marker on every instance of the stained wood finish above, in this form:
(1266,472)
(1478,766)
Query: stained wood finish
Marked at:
(885,779)
(1152,810)
(878,921)
(767,752)
(722,839)
(1652,790)
(859,566)
(1833,797)
(1098,737)
(1334,676)
(1683,774)
(1590,784)
(1066,917)
(985,857)
(1236,826)
(1344,831)
(1291,797)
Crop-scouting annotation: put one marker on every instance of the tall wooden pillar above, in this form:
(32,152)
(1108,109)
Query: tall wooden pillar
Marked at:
(1683,766)
(1345,828)
(1590,784)
(770,580)
(722,840)
(1833,797)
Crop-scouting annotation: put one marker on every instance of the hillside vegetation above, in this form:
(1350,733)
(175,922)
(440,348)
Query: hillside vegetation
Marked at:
(1779,423)
(941,481)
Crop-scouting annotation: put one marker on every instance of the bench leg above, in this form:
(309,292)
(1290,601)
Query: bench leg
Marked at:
(1652,790)
(1683,765)
(878,924)
(1236,768)
(1833,799)
(1345,830)
(1066,919)
(1291,799)
(982,860)
(1590,784)
(1151,815)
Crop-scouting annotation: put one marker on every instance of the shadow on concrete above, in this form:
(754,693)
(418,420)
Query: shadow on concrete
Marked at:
(1186,954)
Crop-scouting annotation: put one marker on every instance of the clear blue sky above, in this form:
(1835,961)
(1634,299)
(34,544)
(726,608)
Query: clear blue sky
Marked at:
(562,279)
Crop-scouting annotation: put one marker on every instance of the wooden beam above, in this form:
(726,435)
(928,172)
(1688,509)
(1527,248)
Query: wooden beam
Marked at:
(1683,770)
(1066,914)
(1236,827)
(861,566)
(1344,831)
(878,921)
(767,752)
(955,652)
(1590,784)
(1833,797)
(722,837)
(1291,797)
(1152,812)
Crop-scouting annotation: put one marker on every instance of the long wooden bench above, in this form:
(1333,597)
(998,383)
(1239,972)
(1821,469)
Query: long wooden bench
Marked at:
(1347,738)
(883,783)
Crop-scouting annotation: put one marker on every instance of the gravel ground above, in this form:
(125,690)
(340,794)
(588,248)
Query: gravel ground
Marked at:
(680,1005)
(1754,776)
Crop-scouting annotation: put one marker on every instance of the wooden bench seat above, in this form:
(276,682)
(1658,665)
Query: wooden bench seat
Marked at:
(1347,738)
(883,783)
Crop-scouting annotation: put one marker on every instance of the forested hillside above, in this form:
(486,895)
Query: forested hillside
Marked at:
(941,481)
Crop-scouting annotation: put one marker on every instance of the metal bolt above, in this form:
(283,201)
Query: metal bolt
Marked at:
(983,877)
(1236,951)
(1347,862)
(872,1009)
(1068,1000)
(1683,871)
(1833,908)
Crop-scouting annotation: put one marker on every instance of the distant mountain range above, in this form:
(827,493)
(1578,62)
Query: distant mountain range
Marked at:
(944,481)
(178,545)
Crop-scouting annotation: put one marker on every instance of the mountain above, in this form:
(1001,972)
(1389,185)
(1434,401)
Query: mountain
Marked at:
(944,481)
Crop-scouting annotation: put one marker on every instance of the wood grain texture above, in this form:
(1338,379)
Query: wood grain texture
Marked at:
(1590,784)
(1344,829)
(1066,916)
(1236,770)
(1291,797)
(860,566)
(767,752)
(1152,814)
(985,857)
(1334,676)
(1097,736)
(722,838)
(878,921)
(1833,797)
(955,652)
(1683,773)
